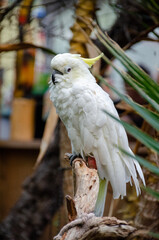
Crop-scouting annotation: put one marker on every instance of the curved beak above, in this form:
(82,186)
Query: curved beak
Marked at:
(53,75)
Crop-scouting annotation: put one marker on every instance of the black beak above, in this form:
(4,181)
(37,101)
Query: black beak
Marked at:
(53,75)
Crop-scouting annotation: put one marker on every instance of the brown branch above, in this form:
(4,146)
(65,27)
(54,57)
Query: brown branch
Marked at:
(9,8)
(144,234)
(91,227)
(72,213)
(21,46)
(141,36)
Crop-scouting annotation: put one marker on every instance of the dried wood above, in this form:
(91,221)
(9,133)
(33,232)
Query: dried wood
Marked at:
(83,223)
(86,186)
(92,227)
(47,135)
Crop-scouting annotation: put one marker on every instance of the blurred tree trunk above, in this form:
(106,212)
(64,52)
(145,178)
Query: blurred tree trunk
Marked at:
(25,59)
(39,201)
(85,9)
(60,218)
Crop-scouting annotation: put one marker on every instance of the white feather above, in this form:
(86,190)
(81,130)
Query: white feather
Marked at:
(80,103)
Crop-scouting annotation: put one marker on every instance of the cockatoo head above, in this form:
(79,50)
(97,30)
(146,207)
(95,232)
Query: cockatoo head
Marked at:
(70,67)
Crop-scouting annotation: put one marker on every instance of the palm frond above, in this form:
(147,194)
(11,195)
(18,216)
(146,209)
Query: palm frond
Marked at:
(142,79)
(143,162)
(152,192)
(151,117)
(138,134)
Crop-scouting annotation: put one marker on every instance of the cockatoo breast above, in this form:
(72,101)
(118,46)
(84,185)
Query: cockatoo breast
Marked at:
(60,94)
(65,96)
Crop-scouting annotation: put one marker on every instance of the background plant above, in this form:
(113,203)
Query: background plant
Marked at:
(149,90)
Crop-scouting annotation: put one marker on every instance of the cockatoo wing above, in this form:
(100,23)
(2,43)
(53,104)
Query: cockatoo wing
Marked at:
(98,133)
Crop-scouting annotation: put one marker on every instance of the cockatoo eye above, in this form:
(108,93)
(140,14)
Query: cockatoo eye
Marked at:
(68,69)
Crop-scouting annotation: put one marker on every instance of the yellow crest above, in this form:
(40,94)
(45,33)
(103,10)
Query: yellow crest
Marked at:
(91,61)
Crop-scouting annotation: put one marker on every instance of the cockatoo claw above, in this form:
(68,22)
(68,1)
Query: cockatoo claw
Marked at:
(72,157)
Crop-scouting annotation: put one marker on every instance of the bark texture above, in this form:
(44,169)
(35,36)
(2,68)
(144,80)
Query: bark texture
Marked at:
(86,186)
(84,9)
(91,227)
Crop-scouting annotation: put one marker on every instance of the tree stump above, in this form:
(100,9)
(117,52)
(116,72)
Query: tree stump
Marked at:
(83,223)
(86,186)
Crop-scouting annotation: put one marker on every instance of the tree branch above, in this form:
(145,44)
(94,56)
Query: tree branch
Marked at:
(9,8)
(25,45)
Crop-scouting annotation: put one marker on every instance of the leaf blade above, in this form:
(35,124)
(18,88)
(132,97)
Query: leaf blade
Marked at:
(143,162)
(152,192)
(138,134)
(151,117)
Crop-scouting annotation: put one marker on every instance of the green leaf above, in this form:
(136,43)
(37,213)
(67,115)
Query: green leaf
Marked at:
(120,54)
(151,117)
(152,192)
(143,162)
(154,235)
(149,86)
(138,134)
(139,89)
(133,83)
(155,5)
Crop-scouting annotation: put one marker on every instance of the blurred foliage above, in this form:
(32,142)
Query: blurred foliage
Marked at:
(41,86)
(149,89)
(147,8)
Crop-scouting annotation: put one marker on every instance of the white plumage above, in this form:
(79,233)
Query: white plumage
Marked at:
(80,102)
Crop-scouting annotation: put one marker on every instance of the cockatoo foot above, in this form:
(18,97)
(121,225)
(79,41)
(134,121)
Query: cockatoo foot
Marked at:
(72,157)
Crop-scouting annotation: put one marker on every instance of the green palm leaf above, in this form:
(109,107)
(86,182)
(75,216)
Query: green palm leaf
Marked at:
(154,235)
(138,134)
(150,87)
(152,192)
(151,117)
(132,82)
(143,162)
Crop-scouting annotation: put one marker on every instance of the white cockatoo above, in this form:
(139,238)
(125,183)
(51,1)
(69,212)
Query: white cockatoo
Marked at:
(80,102)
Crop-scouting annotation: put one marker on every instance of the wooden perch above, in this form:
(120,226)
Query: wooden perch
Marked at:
(83,223)
(86,186)
(92,227)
